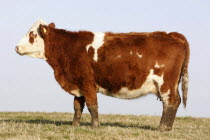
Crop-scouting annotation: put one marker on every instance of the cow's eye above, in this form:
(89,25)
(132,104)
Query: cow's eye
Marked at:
(32,35)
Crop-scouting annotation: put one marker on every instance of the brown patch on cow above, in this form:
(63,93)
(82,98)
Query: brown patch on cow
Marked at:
(126,70)
(74,70)
(52,25)
(91,52)
(63,81)
(32,36)
(158,71)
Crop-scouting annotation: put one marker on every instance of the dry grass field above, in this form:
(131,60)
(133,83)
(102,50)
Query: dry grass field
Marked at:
(56,126)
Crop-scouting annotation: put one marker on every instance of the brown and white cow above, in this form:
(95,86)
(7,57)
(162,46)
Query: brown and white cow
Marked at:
(122,65)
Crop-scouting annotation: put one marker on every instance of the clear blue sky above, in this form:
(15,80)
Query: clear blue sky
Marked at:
(28,84)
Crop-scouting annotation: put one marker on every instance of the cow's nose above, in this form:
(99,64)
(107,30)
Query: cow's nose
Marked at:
(17,48)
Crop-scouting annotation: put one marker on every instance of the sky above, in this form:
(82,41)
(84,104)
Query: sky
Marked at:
(28,84)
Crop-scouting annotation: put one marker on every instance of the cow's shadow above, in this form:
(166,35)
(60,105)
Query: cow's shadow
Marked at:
(59,123)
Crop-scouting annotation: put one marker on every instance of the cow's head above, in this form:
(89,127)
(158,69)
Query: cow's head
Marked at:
(32,44)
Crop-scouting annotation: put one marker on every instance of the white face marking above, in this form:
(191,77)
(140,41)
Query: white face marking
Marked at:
(131,52)
(165,97)
(147,87)
(98,41)
(77,92)
(158,66)
(36,49)
(140,56)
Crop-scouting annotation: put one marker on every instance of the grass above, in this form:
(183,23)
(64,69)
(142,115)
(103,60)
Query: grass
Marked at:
(57,126)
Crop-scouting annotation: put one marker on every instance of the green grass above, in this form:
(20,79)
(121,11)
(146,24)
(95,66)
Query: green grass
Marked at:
(57,126)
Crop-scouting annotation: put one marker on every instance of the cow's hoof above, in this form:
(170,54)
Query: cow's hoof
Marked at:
(95,125)
(164,128)
(76,124)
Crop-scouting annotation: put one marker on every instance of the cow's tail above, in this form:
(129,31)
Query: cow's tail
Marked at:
(184,73)
(185,76)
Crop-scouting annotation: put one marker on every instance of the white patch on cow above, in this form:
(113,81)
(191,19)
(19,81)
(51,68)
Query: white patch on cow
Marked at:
(98,41)
(165,97)
(158,66)
(140,56)
(147,87)
(36,49)
(77,92)
(131,52)
(103,90)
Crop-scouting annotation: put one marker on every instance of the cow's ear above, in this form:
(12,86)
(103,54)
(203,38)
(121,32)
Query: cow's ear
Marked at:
(43,29)
(52,25)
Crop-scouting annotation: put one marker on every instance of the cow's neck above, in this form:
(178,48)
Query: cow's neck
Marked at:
(65,49)
(60,42)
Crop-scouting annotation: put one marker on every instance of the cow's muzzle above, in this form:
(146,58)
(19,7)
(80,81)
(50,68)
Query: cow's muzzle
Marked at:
(17,49)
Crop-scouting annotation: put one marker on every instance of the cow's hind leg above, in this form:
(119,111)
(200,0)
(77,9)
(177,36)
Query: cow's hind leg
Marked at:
(171,101)
(79,103)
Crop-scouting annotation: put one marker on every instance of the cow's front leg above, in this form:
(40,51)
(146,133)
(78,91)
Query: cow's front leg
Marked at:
(93,109)
(171,103)
(79,103)
(90,94)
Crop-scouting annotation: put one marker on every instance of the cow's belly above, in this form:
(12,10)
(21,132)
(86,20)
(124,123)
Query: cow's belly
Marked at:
(125,93)
(147,87)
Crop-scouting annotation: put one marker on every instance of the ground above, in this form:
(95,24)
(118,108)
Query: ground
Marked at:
(56,126)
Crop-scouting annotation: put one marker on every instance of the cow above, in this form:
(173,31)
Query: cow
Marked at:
(121,65)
